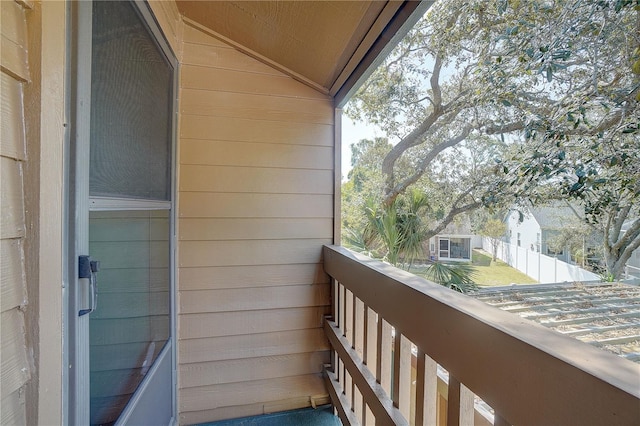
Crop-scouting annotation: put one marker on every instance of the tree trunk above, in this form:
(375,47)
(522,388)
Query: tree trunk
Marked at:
(494,246)
(615,262)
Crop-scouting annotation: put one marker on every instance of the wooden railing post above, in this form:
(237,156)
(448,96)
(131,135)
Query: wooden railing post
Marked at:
(348,333)
(426,390)
(383,362)
(460,409)
(369,355)
(402,374)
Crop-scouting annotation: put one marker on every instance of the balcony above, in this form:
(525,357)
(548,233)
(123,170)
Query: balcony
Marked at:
(406,351)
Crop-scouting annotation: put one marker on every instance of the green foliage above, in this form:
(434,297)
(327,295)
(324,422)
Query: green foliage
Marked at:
(587,147)
(494,228)
(458,276)
(396,234)
(355,240)
(365,181)
(549,89)
(576,236)
(383,228)
(396,230)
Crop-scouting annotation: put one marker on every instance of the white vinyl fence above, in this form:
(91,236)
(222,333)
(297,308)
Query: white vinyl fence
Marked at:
(544,269)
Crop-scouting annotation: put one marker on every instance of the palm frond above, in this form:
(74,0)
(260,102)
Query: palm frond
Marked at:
(458,277)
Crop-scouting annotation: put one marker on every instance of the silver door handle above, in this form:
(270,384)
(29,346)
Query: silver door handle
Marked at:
(87,273)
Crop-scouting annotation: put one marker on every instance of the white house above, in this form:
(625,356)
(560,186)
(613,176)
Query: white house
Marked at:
(454,243)
(533,227)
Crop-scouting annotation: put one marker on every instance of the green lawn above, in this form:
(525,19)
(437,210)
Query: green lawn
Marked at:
(489,273)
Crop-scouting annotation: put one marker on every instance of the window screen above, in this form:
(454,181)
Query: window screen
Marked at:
(131,101)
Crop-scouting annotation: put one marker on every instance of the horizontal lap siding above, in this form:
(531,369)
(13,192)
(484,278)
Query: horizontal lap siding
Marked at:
(222,348)
(255,207)
(252,392)
(15,354)
(250,369)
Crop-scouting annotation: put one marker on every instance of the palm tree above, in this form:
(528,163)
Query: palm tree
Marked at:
(381,233)
(458,277)
(397,229)
(397,232)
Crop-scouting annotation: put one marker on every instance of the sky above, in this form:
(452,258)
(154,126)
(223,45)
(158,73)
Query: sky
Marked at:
(352,132)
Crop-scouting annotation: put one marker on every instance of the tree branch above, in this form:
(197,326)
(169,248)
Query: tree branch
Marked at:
(629,235)
(435,81)
(504,128)
(451,215)
(618,221)
(392,192)
(628,251)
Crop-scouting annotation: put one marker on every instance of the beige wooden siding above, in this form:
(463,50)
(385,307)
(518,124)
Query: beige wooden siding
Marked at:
(15,355)
(255,206)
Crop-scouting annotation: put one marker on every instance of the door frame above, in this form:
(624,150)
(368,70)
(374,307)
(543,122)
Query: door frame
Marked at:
(76,396)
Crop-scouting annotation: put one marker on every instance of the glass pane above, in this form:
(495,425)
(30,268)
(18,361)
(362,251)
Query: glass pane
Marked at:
(460,248)
(132,323)
(131,106)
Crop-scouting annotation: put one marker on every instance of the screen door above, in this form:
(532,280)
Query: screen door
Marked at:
(122,350)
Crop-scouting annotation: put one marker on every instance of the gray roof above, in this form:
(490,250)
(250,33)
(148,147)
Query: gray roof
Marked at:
(554,216)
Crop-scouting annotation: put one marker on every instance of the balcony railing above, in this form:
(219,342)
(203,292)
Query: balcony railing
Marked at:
(393,333)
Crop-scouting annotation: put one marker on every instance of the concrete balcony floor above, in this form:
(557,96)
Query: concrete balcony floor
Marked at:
(321,416)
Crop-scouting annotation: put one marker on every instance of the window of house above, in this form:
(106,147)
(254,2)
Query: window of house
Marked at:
(519,240)
(460,248)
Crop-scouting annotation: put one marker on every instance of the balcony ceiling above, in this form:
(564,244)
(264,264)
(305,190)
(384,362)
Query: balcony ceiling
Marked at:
(320,43)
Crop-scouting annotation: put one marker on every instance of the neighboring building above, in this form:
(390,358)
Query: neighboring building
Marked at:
(634,260)
(455,243)
(534,227)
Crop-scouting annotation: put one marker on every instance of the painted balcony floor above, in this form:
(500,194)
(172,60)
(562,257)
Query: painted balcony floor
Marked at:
(322,416)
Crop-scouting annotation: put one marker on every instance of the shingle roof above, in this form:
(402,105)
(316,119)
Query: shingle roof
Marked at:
(553,216)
